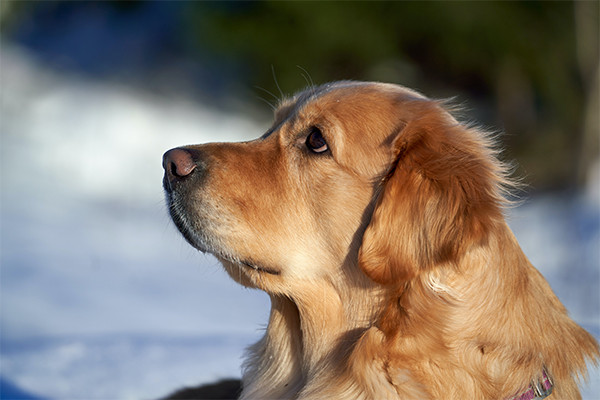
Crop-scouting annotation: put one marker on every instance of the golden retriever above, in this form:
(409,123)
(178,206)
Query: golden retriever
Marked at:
(374,221)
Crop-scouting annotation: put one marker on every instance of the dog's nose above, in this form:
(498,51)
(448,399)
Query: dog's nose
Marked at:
(178,164)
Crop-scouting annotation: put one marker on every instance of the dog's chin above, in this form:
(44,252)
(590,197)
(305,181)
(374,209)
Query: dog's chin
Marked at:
(194,241)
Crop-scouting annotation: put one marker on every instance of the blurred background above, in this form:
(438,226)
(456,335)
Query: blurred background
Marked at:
(100,296)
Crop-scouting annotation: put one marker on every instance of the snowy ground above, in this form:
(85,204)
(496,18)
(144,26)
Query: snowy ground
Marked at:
(102,299)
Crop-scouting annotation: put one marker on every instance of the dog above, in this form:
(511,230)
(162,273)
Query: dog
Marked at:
(374,221)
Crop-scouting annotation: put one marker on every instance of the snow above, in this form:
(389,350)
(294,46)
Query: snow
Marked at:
(97,285)
(101,298)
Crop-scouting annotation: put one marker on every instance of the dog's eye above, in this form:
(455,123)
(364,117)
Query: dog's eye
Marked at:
(316,142)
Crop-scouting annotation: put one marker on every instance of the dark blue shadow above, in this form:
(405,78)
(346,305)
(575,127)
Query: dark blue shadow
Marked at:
(10,391)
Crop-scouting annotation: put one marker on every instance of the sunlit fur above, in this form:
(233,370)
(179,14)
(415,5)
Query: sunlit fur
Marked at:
(391,271)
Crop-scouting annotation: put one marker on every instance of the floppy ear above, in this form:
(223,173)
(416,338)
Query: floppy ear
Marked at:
(442,194)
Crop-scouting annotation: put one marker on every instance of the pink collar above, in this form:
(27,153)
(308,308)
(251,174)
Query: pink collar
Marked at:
(537,390)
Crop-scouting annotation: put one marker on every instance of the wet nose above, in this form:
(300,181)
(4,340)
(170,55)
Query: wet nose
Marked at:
(178,164)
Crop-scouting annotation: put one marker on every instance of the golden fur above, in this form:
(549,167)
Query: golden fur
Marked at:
(391,271)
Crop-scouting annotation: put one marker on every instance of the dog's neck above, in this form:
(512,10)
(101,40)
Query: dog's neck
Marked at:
(307,336)
(328,316)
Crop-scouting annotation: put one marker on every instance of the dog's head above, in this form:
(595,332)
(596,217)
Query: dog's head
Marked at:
(351,176)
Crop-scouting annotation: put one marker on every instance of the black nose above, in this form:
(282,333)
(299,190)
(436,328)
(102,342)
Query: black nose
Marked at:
(178,164)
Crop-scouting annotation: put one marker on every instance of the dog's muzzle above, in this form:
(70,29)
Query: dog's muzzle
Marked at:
(184,170)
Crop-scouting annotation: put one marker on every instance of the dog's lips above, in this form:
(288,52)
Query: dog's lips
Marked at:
(261,268)
(190,235)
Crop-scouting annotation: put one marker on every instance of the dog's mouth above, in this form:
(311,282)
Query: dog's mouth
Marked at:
(257,268)
(251,266)
(205,243)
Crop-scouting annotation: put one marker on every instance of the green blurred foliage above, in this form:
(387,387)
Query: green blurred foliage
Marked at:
(518,64)
(527,68)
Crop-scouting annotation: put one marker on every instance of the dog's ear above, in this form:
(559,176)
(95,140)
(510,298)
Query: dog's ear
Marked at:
(442,194)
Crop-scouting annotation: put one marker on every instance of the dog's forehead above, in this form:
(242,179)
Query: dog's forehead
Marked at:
(353,88)
(342,91)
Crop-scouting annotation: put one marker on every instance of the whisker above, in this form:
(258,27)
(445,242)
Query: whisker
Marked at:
(276,83)
(271,105)
(306,76)
(268,92)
